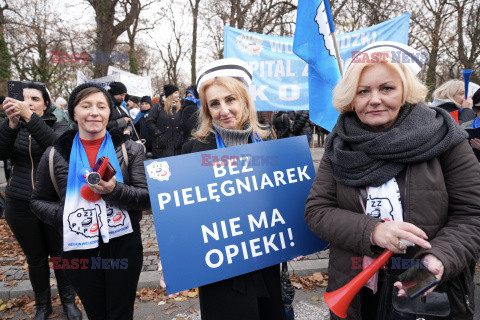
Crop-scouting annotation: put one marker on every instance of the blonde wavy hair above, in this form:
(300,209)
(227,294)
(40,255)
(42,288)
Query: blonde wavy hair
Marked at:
(449,89)
(169,104)
(414,91)
(249,113)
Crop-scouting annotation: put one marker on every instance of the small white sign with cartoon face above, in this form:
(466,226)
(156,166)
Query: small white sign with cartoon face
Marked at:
(159,170)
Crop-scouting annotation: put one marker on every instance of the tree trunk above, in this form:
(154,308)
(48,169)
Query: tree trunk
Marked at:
(107,33)
(194,40)
(5,57)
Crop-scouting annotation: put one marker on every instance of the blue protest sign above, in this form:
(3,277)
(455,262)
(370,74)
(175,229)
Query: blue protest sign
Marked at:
(226,212)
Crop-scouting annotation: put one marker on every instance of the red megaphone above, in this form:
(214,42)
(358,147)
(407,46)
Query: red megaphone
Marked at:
(339,300)
(85,191)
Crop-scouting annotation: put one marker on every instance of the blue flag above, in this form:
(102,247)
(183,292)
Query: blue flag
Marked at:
(314,44)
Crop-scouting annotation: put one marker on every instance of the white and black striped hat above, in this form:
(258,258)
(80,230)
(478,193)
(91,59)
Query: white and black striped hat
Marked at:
(397,52)
(229,67)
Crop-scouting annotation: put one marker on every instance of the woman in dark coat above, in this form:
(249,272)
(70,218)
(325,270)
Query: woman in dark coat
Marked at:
(28,131)
(396,170)
(228,118)
(101,236)
(165,124)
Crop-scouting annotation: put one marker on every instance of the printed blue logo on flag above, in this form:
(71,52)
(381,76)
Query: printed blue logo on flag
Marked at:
(227,212)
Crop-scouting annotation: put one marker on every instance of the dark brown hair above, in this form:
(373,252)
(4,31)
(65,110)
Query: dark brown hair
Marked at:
(85,93)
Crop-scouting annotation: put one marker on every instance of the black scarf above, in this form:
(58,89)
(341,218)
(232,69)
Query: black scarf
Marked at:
(361,157)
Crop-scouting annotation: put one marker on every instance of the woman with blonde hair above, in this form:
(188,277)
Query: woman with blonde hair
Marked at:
(228,118)
(450,96)
(165,125)
(395,173)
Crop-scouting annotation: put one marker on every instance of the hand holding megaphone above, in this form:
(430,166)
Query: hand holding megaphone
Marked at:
(99,181)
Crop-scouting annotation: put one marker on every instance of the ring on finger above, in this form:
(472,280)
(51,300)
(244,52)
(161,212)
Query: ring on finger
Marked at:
(400,245)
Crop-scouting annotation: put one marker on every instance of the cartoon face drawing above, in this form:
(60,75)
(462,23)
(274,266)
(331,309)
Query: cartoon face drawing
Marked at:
(159,170)
(250,44)
(379,208)
(324,29)
(115,216)
(85,222)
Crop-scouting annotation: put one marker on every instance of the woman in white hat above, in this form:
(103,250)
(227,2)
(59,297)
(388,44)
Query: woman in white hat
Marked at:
(396,170)
(228,118)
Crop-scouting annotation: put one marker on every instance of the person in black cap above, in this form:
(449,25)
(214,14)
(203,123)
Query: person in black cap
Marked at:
(30,128)
(140,123)
(165,125)
(109,259)
(120,117)
(132,105)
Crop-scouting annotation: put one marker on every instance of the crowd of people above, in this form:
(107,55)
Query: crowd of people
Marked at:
(388,144)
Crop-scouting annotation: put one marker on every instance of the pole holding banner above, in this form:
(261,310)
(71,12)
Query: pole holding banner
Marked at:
(466,77)
(331,25)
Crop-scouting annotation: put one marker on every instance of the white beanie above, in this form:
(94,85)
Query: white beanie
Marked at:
(229,67)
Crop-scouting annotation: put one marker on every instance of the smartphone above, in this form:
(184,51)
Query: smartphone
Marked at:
(109,170)
(417,280)
(15,90)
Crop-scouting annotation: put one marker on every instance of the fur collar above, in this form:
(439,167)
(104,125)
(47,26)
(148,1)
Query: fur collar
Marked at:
(64,143)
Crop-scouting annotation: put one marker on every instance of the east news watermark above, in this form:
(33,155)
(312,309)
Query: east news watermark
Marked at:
(97,57)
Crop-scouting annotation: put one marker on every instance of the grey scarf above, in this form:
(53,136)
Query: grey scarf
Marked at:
(361,157)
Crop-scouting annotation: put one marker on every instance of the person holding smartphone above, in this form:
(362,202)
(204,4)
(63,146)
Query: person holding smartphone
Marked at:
(395,170)
(30,128)
(100,237)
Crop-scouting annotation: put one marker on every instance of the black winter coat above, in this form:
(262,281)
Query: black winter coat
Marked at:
(25,146)
(301,124)
(131,195)
(464,115)
(117,120)
(281,123)
(255,295)
(189,116)
(143,132)
(166,132)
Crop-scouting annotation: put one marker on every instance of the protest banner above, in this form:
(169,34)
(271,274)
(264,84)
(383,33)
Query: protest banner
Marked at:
(280,77)
(103,81)
(230,211)
(136,85)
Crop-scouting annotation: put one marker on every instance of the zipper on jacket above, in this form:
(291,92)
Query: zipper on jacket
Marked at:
(31,158)
(11,175)
(405,211)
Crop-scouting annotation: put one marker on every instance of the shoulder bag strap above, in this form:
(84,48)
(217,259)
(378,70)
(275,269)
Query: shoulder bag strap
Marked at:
(50,169)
